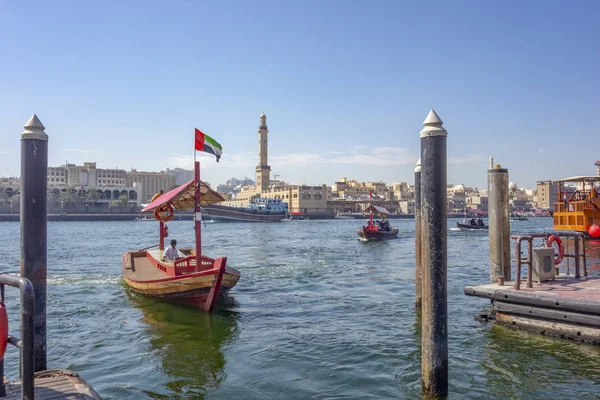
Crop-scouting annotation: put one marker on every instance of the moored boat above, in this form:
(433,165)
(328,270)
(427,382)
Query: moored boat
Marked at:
(191,277)
(579,208)
(257,210)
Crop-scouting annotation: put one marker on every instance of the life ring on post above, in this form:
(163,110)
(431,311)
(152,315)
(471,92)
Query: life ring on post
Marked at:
(561,249)
(159,213)
(3,331)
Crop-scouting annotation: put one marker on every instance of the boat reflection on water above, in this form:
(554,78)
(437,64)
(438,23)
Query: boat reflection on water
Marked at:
(186,345)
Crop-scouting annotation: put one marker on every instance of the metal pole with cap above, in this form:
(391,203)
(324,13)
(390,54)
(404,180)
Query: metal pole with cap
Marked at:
(434,257)
(418,272)
(498,223)
(34,186)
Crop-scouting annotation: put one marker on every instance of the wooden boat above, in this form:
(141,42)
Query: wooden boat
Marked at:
(380,230)
(579,207)
(192,278)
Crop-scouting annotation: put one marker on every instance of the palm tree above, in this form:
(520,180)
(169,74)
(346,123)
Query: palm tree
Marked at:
(93,195)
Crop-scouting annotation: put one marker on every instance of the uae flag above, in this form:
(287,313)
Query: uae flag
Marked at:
(207,144)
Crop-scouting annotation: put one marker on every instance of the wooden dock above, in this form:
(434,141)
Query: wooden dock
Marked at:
(55,385)
(564,307)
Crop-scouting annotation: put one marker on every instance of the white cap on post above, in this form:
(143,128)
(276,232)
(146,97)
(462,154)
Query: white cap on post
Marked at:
(432,126)
(34,129)
(418,167)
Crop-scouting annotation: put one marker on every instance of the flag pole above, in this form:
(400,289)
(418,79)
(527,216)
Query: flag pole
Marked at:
(197,212)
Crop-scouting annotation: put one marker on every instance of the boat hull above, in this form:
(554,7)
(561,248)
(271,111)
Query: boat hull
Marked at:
(471,227)
(369,234)
(240,214)
(196,288)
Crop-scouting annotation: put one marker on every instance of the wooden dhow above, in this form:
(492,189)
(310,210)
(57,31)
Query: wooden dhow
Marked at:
(191,278)
(577,207)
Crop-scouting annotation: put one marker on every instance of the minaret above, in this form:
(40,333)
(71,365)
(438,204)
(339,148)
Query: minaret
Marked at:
(263,170)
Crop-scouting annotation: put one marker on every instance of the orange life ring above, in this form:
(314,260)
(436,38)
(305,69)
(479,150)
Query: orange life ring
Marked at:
(561,249)
(165,208)
(3,330)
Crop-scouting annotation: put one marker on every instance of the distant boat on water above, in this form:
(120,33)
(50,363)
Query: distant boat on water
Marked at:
(257,210)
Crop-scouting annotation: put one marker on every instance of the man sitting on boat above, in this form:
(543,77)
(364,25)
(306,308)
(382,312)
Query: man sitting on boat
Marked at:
(473,222)
(171,252)
(480,222)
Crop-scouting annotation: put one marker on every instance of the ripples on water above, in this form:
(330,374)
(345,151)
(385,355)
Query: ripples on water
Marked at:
(316,314)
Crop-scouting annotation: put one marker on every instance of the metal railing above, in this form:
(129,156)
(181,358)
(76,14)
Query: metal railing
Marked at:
(25,342)
(578,254)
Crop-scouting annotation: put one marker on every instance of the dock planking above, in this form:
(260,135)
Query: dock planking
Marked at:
(566,306)
(55,385)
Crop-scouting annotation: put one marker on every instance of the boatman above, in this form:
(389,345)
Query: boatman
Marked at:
(171,253)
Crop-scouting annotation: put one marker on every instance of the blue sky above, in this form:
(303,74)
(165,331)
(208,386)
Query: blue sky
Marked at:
(346,85)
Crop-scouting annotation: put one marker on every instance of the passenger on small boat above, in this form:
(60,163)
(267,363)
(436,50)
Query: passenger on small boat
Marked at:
(384,225)
(473,222)
(480,222)
(171,252)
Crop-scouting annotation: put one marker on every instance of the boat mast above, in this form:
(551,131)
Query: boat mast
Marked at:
(371,207)
(197,214)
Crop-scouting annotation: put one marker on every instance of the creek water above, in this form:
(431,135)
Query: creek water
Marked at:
(316,314)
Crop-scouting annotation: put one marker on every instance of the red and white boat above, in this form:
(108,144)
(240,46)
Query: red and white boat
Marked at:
(380,230)
(191,278)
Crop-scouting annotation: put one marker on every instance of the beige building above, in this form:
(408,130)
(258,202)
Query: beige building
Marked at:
(406,206)
(546,194)
(351,189)
(402,191)
(150,183)
(86,175)
(477,202)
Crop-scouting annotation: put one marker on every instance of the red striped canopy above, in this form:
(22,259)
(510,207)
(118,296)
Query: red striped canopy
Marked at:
(182,198)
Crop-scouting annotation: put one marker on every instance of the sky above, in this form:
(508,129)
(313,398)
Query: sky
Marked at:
(345,85)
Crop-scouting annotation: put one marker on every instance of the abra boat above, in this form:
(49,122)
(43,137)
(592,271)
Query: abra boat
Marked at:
(579,207)
(191,278)
(380,230)
(257,210)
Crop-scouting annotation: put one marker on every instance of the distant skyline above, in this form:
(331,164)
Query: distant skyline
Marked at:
(345,89)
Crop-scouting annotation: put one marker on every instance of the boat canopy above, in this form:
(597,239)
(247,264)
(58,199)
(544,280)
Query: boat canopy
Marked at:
(378,209)
(580,179)
(182,198)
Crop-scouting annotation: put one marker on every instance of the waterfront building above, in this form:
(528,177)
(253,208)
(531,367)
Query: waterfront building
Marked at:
(597,164)
(546,194)
(87,175)
(406,206)
(150,182)
(477,202)
(181,175)
(351,189)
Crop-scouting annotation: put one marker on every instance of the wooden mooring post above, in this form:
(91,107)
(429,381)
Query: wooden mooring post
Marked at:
(36,382)
(434,257)
(34,187)
(499,223)
(418,272)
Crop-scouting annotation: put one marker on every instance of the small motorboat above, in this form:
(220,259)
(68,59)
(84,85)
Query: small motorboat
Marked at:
(191,277)
(378,230)
(470,227)
(518,217)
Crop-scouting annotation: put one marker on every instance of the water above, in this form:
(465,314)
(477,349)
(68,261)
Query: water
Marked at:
(316,314)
